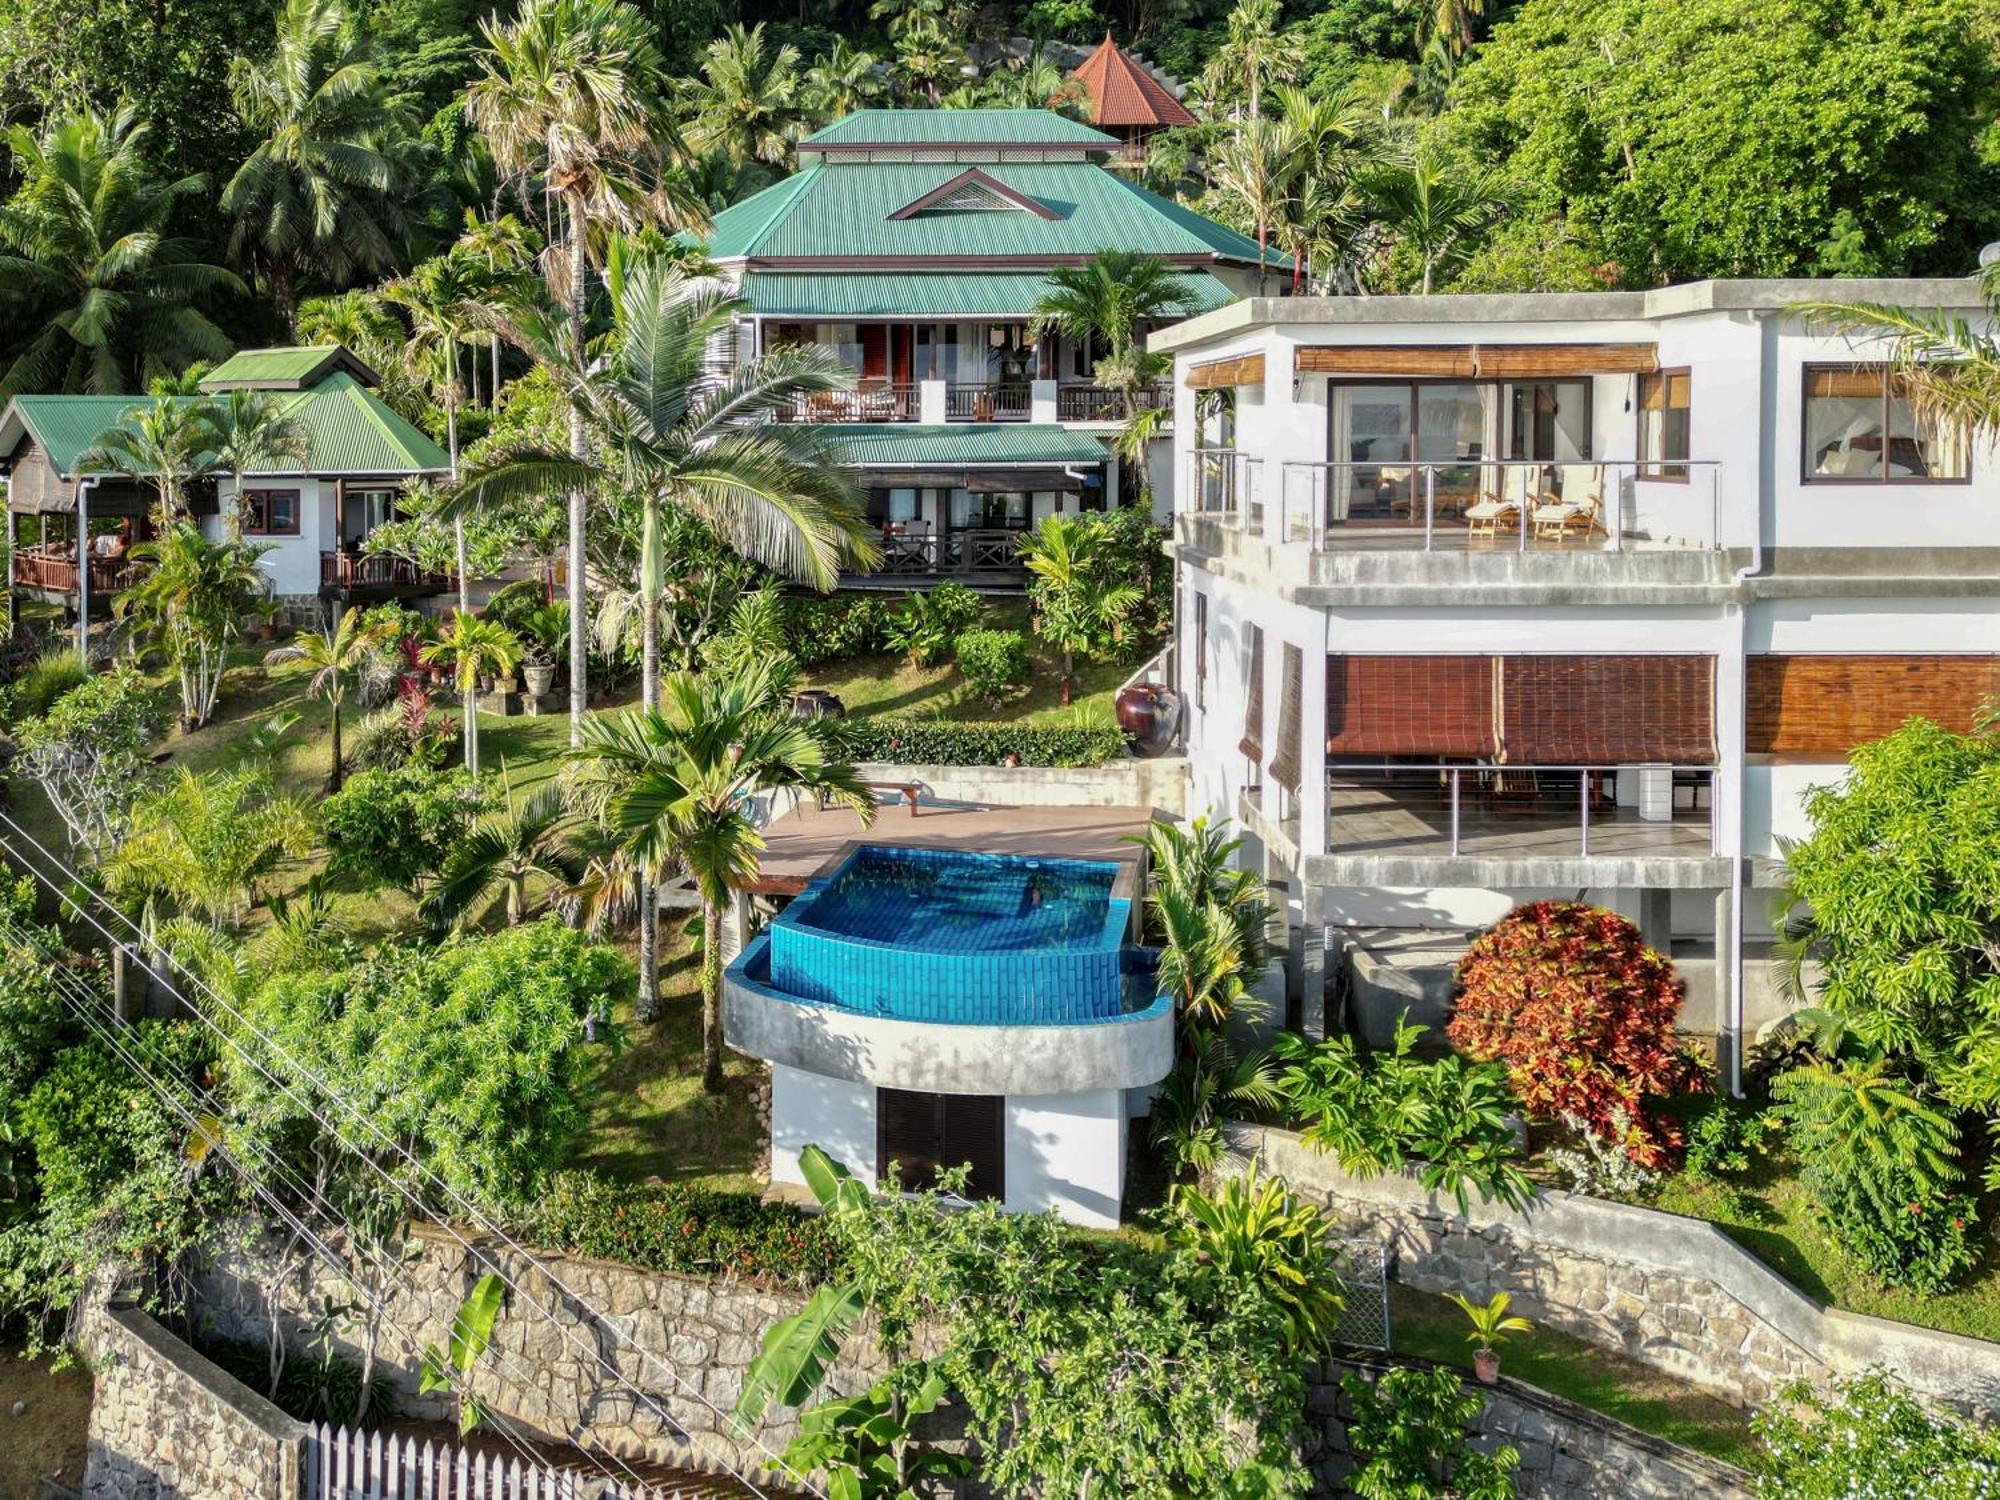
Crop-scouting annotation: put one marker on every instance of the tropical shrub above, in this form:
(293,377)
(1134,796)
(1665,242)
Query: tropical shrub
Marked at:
(1582,1012)
(753,633)
(925,623)
(398,826)
(689,1230)
(1449,1117)
(1869,1437)
(1252,1229)
(1407,1430)
(88,754)
(316,1385)
(1881,1162)
(199,844)
(43,680)
(993,662)
(1209,1078)
(1132,553)
(409,731)
(821,628)
(867,1446)
(191,604)
(35,1021)
(1726,1139)
(1195,866)
(1078,601)
(937,742)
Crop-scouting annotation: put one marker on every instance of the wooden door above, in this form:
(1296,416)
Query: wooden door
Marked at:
(923,1133)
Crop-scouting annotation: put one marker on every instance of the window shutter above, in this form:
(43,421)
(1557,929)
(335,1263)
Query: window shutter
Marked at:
(1252,743)
(1410,705)
(1287,763)
(908,1132)
(975,1134)
(1607,710)
(1824,380)
(1825,705)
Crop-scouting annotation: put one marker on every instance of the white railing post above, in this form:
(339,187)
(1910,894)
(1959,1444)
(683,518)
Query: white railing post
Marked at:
(1456,774)
(1583,782)
(1527,504)
(1430,506)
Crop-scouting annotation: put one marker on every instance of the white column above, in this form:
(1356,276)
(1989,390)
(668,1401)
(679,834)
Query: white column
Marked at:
(930,402)
(1042,401)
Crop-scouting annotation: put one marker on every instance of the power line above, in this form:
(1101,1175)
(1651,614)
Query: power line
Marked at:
(471,1209)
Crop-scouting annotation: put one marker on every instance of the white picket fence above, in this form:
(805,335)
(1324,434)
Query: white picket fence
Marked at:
(343,1465)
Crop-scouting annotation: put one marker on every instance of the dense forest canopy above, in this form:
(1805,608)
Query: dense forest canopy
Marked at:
(247,164)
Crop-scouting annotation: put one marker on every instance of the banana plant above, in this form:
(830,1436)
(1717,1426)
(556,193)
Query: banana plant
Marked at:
(866,1445)
(448,1369)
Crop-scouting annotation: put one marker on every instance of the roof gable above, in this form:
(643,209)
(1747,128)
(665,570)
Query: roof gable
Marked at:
(293,368)
(970,192)
(944,128)
(1123,93)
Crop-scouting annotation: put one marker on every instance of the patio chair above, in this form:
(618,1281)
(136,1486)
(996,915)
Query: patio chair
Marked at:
(1484,515)
(1578,509)
(1513,789)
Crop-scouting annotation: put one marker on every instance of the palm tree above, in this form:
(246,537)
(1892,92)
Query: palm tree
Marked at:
(324,190)
(191,603)
(748,99)
(252,432)
(202,843)
(1437,207)
(1327,141)
(507,248)
(570,91)
(1111,298)
(1252,52)
(439,297)
(682,776)
(775,491)
(1947,369)
(335,655)
(473,648)
(1073,605)
(165,442)
(842,81)
(1254,166)
(1447,22)
(87,259)
(522,842)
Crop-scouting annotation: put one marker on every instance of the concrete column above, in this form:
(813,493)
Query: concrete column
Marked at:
(1728,1043)
(1656,920)
(1312,962)
(1042,401)
(930,402)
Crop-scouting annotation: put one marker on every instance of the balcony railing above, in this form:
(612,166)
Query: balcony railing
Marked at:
(1522,812)
(1084,402)
(1608,504)
(875,401)
(375,570)
(52,569)
(1009,402)
(953,554)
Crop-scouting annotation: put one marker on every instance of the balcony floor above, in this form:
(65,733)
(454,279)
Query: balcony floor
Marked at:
(1451,537)
(1417,822)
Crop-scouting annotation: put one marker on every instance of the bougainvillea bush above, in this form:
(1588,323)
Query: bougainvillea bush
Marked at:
(1582,1012)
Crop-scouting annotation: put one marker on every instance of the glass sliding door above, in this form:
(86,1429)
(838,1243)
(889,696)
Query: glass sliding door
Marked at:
(1371,431)
(1457,426)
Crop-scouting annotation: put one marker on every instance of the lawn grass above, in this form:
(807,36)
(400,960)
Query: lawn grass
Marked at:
(1432,1327)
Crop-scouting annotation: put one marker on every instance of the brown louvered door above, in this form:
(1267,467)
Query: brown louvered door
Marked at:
(922,1133)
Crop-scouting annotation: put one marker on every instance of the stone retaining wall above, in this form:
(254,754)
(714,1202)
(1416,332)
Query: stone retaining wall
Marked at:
(165,1423)
(1160,783)
(1568,1452)
(1671,1292)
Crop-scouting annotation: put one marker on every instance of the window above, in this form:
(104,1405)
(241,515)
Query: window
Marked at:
(1200,650)
(271,512)
(1008,510)
(1663,425)
(892,507)
(1860,428)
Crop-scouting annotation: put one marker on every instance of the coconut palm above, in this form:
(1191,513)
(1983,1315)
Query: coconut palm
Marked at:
(473,648)
(323,192)
(253,433)
(1947,369)
(336,655)
(1073,605)
(749,99)
(1435,206)
(570,92)
(1252,53)
(844,80)
(87,259)
(525,841)
(191,604)
(507,248)
(165,443)
(439,297)
(775,491)
(683,777)
(1112,298)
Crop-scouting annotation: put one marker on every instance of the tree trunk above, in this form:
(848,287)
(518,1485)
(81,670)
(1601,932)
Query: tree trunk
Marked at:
(711,997)
(284,301)
(333,777)
(647,1006)
(236,508)
(459,556)
(579,613)
(472,729)
(1068,675)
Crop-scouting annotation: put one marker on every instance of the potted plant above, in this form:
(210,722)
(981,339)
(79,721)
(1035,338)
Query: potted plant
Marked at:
(544,635)
(1491,1327)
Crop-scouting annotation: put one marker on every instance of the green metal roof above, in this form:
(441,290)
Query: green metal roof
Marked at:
(957,127)
(841,211)
(887,444)
(348,427)
(923,294)
(294,368)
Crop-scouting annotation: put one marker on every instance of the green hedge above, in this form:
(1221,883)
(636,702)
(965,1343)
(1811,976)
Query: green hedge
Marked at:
(696,1231)
(937,742)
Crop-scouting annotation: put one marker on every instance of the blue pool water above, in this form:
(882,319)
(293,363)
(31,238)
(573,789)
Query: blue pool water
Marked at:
(946,936)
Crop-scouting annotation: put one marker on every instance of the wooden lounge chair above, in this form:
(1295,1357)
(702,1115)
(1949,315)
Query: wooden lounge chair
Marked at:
(1484,515)
(1579,509)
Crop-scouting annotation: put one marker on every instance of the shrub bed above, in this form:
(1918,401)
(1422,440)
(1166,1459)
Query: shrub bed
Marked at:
(935,742)
(993,662)
(694,1231)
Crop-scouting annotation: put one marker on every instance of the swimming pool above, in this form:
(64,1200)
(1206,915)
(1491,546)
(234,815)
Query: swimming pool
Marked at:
(952,936)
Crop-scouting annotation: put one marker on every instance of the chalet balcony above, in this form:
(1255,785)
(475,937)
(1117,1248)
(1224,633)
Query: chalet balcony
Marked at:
(50,572)
(376,575)
(870,401)
(1008,402)
(987,555)
(1081,401)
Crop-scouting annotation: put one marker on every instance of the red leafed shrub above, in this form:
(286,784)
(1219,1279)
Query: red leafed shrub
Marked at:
(1582,1012)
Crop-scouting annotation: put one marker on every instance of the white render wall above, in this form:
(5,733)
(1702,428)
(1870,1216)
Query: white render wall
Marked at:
(291,562)
(830,1113)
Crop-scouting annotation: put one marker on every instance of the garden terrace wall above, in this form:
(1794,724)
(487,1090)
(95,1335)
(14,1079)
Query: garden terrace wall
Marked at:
(165,1422)
(1160,784)
(565,1377)
(1671,1292)
(1568,1452)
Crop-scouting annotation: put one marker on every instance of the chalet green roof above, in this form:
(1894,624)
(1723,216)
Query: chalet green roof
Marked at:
(349,429)
(889,444)
(841,211)
(922,294)
(291,369)
(957,127)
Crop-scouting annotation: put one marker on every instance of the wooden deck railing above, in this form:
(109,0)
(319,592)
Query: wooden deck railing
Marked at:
(53,570)
(870,402)
(955,554)
(374,570)
(987,403)
(1096,403)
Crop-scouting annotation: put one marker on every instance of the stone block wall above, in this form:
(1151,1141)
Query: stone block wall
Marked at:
(165,1424)
(562,1377)
(1671,1292)
(1568,1452)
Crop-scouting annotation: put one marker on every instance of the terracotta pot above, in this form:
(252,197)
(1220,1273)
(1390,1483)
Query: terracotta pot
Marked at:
(1486,1365)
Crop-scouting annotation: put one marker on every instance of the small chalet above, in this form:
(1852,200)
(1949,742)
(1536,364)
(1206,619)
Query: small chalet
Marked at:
(1127,99)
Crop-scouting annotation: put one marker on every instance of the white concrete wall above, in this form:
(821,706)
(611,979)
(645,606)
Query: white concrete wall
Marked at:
(1066,1152)
(808,1110)
(291,562)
